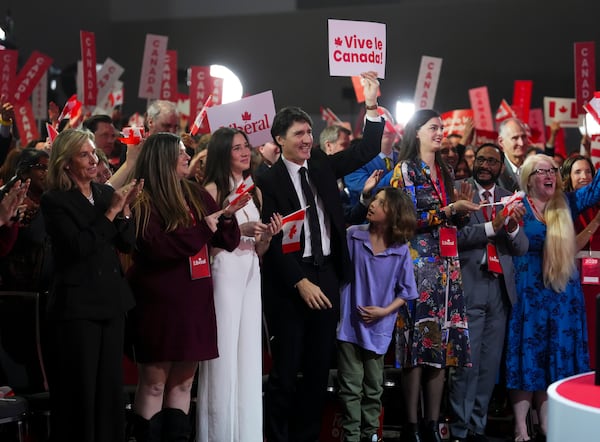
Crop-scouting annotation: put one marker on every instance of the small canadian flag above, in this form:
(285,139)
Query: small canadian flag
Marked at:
(593,107)
(132,135)
(510,202)
(245,186)
(504,112)
(52,132)
(72,107)
(201,116)
(291,229)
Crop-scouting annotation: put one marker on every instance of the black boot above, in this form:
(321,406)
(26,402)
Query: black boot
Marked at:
(432,432)
(144,430)
(410,433)
(176,425)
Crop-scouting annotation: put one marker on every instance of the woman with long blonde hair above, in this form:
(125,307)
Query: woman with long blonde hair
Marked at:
(547,337)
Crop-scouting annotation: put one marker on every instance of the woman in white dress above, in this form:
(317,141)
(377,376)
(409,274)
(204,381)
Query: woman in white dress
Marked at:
(230,387)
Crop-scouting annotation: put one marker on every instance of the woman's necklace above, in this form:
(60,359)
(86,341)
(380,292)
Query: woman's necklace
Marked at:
(539,215)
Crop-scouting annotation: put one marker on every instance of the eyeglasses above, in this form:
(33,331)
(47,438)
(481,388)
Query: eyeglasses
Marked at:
(547,172)
(39,166)
(480,161)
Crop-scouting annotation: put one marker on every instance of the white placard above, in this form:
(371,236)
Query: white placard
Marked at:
(561,110)
(106,77)
(254,115)
(356,47)
(427,82)
(155,53)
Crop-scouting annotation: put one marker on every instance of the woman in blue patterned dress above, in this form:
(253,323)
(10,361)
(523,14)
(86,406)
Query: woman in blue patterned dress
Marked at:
(432,330)
(547,337)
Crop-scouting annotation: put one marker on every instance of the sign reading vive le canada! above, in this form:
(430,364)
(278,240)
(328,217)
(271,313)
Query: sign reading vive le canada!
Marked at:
(253,114)
(356,47)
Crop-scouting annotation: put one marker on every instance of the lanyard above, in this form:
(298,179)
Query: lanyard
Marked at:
(441,191)
(536,211)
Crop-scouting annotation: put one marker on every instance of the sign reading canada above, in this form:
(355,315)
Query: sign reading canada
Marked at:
(355,47)
(254,115)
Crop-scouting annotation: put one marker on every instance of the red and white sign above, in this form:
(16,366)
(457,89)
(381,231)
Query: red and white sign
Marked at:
(8,71)
(26,124)
(329,117)
(593,107)
(482,111)
(39,99)
(485,136)
(107,76)
(155,52)
(510,202)
(356,47)
(201,86)
(522,98)
(454,121)
(585,72)
(183,105)
(358,89)
(561,110)
(427,82)
(199,264)
(88,58)
(504,112)
(253,115)
(30,75)
(200,124)
(291,228)
(168,86)
(536,125)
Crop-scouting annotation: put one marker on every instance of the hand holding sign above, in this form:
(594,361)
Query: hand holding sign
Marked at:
(370,88)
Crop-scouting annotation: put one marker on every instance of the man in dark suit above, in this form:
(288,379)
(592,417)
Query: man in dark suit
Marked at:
(488,293)
(301,289)
(512,138)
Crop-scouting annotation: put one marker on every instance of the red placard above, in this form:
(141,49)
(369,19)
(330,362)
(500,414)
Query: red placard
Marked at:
(8,71)
(522,98)
(88,58)
(200,86)
(168,87)
(358,89)
(454,121)
(482,112)
(199,265)
(585,72)
(26,124)
(30,75)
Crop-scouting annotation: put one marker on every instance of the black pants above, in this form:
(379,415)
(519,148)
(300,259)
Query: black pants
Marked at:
(303,341)
(86,380)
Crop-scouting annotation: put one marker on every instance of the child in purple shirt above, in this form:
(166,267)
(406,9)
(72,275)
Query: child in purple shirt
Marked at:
(383,281)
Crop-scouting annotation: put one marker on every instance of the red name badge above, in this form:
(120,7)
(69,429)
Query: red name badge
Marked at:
(199,265)
(448,247)
(590,271)
(493,262)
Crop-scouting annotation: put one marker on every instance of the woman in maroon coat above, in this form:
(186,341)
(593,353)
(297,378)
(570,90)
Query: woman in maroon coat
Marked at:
(173,324)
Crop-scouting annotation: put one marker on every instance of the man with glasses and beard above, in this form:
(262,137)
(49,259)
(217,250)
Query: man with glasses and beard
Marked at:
(486,246)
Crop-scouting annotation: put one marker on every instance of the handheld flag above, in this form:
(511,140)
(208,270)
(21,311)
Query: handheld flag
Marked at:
(291,229)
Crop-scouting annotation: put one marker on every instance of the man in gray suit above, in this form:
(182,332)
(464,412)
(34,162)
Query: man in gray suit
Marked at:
(486,246)
(512,138)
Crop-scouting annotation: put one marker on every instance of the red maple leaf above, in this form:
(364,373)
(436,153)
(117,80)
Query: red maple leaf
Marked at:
(562,109)
(293,231)
(338,41)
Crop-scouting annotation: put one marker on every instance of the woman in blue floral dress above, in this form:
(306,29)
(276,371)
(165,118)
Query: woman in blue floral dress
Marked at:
(432,331)
(547,336)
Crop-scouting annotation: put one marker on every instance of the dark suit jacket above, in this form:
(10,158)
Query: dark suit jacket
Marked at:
(284,270)
(472,242)
(507,179)
(88,282)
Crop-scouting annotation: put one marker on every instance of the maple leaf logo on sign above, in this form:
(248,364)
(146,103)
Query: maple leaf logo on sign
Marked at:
(562,109)
(246,116)
(338,41)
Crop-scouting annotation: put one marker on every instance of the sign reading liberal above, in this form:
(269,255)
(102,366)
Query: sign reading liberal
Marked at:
(254,115)
(356,47)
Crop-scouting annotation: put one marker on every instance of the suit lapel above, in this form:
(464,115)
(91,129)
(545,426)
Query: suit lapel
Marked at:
(284,180)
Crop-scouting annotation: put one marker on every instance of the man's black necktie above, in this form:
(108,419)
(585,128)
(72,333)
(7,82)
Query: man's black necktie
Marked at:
(313,219)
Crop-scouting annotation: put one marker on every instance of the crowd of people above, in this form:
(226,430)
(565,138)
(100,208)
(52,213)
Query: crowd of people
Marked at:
(409,248)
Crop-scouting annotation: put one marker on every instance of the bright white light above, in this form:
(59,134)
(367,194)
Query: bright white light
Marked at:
(404,110)
(2,34)
(53,84)
(232,86)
